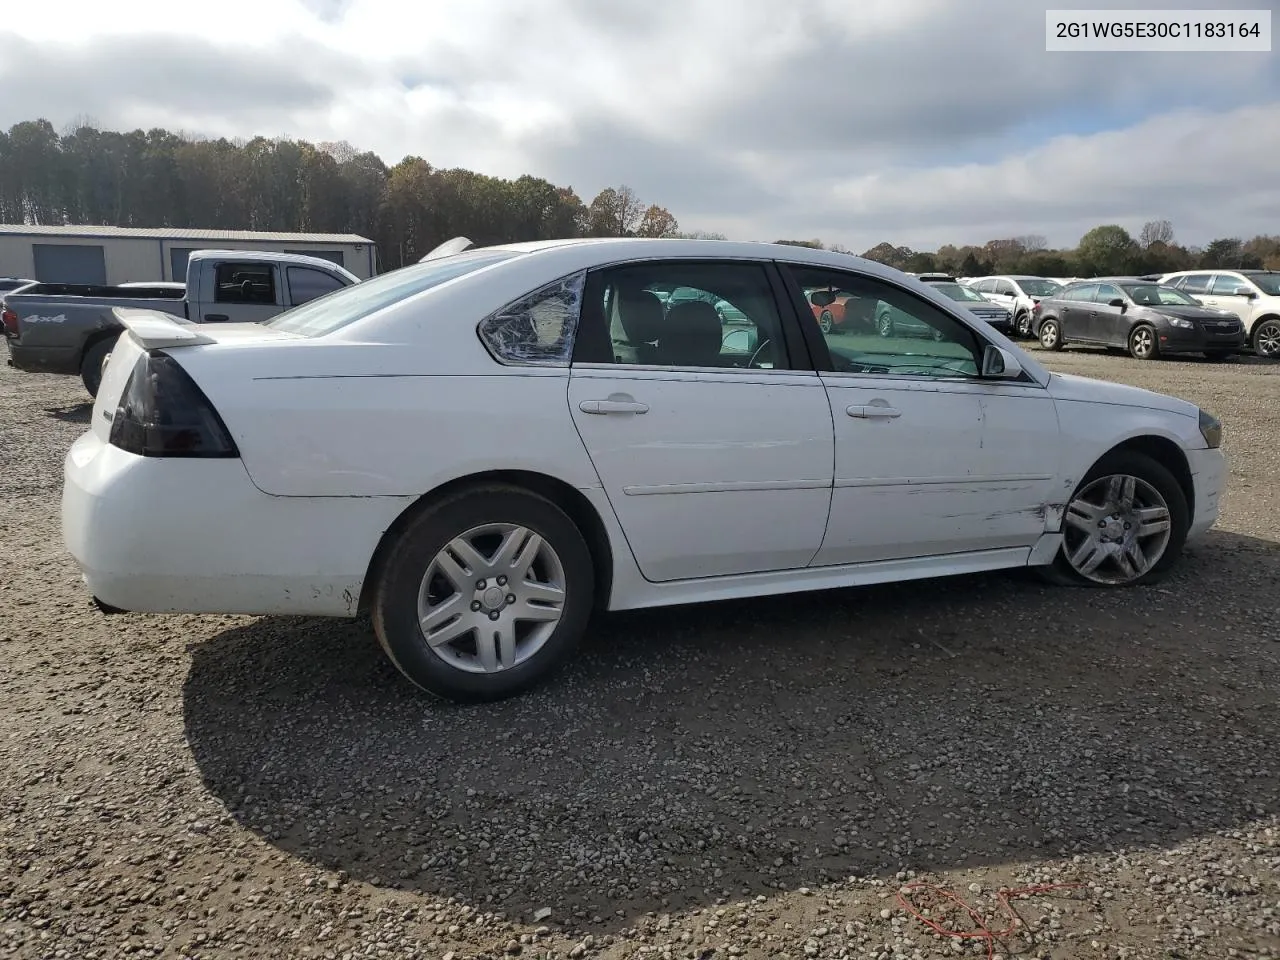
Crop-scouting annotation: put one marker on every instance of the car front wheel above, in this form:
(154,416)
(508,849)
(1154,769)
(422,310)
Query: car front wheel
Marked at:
(1266,339)
(1022,326)
(484,594)
(1124,525)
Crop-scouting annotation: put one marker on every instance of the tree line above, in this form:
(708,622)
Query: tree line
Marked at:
(1106,250)
(159,178)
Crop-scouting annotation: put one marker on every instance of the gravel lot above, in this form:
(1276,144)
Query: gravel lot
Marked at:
(736,780)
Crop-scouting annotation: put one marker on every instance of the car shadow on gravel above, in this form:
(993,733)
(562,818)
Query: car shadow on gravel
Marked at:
(71,413)
(743,748)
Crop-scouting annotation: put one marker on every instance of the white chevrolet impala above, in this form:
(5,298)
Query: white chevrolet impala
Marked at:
(481,449)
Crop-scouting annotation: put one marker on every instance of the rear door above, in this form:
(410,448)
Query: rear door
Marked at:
(714,449)
(1077,303)
(1107,324)
(238,291)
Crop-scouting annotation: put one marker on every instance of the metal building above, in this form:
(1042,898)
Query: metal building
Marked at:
(96,254)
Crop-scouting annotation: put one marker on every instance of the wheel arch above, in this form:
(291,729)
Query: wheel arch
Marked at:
(1257,325)
(564,495)
(1165,452)
(95,337)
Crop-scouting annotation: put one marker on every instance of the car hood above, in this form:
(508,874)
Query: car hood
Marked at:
(1193,313)
(1067,386)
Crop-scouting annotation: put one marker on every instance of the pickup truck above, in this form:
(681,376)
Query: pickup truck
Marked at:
(70,328)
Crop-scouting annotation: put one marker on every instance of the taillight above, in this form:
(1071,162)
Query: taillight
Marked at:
(10,321)
(162,413)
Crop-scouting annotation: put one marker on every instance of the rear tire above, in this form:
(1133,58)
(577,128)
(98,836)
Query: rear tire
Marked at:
(1160,485)
(1050,334)
(91,363)
(416,584)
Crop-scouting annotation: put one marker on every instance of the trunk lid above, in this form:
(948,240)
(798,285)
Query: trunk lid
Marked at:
(146,330)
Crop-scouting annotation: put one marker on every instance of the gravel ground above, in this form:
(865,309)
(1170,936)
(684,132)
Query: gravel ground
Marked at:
(732,780)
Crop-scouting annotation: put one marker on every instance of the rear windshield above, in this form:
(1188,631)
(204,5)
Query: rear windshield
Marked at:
(335,310)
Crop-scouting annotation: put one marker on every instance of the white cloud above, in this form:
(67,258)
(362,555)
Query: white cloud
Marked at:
(914,121)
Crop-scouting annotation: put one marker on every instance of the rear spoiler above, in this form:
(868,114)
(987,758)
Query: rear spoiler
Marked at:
(155,329)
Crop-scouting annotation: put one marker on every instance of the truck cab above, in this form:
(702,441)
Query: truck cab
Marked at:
(238,286)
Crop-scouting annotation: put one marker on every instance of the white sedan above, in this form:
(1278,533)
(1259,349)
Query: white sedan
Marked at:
(480,449)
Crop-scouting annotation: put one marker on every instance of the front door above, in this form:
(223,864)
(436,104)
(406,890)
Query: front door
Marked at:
(930,459)
(715,456)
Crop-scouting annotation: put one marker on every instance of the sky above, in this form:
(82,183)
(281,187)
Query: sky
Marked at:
(917,122)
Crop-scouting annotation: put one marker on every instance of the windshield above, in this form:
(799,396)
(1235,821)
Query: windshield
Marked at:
(958,291)
(1039,286)
(349,304)
(1268,283)
(1156,294)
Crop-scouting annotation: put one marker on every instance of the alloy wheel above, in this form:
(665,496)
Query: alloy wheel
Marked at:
(1117,528)
(1142,343)
(491,598)
(1267,340)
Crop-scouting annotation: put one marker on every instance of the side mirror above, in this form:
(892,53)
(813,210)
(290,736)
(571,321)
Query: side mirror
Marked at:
(1115,302)
(1000,364)
(1243,292)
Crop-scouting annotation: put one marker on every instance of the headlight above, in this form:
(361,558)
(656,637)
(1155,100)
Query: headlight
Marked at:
(1210,429)
(1181,323)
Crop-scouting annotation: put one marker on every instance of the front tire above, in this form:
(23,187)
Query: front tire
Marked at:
(1266,339)
(1125,525)
(1022,326)
(91,363)
(484,594)
(826,321)
(884,325)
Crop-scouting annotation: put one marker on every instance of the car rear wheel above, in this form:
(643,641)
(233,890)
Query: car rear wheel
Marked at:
(1266,339)
(1050,335)
(484,594)
(1124,525)
(1143,343)
(92,362)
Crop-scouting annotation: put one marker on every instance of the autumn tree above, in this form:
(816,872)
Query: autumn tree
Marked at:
(657,222)
(615,212)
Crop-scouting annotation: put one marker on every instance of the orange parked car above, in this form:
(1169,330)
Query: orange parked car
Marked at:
(838,309)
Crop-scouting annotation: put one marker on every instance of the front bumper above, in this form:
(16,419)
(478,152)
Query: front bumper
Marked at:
(1209,479)
(172,535)
(1179,340)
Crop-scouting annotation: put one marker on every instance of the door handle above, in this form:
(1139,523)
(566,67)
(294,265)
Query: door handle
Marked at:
(873,412)
(603,407)
(216,316)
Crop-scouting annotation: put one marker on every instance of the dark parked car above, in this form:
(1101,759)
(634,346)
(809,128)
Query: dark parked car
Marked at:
(1147,319)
